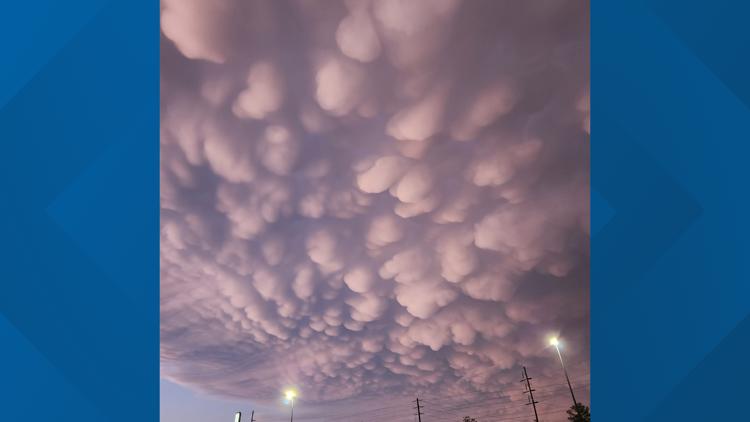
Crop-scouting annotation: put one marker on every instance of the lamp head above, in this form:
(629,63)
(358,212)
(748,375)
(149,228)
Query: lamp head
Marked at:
(290,394)
(554,341)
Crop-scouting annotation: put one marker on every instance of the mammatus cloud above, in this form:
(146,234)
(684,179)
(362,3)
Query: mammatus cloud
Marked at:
(373,198)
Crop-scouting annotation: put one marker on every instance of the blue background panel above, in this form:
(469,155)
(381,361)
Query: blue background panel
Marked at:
(670,285)
(79,115)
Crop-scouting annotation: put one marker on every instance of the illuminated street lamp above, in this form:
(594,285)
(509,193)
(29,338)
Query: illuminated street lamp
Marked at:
(554,341)
(290,395)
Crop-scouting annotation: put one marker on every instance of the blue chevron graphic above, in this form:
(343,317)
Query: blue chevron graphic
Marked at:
(669,287)
(79,282)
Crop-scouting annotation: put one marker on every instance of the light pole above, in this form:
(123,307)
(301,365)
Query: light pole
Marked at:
(554,341)
(290,395)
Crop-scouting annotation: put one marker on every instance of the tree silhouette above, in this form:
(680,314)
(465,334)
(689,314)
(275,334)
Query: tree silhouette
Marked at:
(469,419)
(579,413)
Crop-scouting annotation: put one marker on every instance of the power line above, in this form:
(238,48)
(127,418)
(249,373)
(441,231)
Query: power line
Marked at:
(366,412)
(509,404)
(504,417)
(484,393)
(445,410)
(506,400)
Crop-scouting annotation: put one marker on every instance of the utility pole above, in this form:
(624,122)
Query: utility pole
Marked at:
(419,410)
(530,391)
(252,416)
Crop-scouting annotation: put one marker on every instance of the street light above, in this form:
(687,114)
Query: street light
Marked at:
(290,395)
(554,341)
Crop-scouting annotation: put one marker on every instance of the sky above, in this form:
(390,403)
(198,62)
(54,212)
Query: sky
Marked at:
(370,202)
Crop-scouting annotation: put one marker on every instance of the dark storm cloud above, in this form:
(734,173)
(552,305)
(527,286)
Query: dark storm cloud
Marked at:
(377,197)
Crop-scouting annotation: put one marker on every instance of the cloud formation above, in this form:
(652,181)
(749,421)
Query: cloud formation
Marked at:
(372,197)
